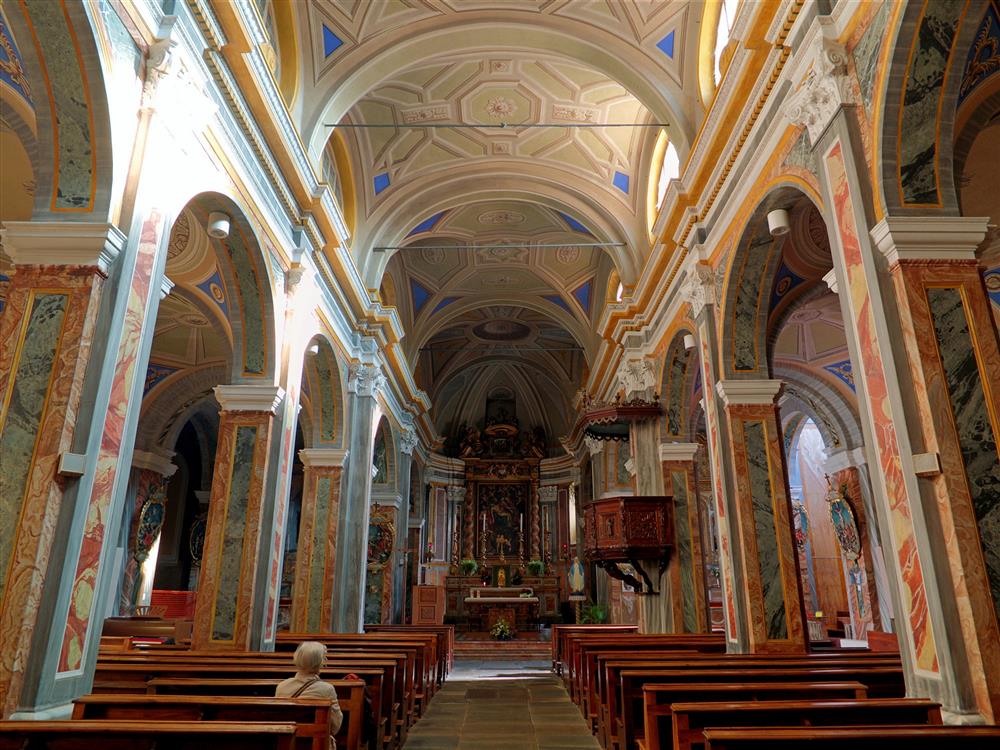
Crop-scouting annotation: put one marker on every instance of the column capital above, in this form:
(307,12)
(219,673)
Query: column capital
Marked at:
(753,392)
(365,379)
(548,493)
(698,288)
(827,85)
(637,376)
(929,238)
(831,280)
(456,494)
(157,462)
(408,441)
(327,457)
(249,397)
(62,243)
(594,446)
(678,451)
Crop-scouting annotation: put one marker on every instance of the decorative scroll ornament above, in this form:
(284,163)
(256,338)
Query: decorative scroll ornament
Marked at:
(845,525)
(698,288)
(826,88)
(365,379)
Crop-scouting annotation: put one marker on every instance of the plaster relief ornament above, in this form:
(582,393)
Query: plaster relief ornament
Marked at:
(432,255)
(364,379)
(500,107)
(698,288)
(826,88)
(492,218)
(567,255)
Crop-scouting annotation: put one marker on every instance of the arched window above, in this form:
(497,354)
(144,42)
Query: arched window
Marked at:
(664,166)
(727,14)
(619,292)
(670,169)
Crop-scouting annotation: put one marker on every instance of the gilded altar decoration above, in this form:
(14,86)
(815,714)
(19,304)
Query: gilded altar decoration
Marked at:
(378,586)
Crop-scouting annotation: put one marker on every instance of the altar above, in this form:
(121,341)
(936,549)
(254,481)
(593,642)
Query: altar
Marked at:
(517,605)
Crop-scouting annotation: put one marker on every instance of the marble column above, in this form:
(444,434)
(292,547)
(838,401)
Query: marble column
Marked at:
(363,384)
(699,291)
(151,473)
(223,617)
(548,504)
(312,592)
(953,359)
(456,501)
(47,345)
(688,575)
(407,443)
(764,524)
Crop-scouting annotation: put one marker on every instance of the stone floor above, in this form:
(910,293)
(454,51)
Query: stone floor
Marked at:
(501,705)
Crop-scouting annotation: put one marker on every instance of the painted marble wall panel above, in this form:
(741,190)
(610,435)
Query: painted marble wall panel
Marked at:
(75,158)
(932,48)
(866,53)
(248,283)
(684,551)
(764,527)
(317,564)
(872,370)
(108,463)
(326,398)
(676,393)
(972,421)
(21,414)
(237,504)
(747,304)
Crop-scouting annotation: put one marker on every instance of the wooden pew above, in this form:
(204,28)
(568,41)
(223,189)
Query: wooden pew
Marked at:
(310,715)
(446,643)
(133,678)
(559,633)
(141,735)
(610,695)
(855,738)
(658,699)
(690,719)
(179,631)
(629,714)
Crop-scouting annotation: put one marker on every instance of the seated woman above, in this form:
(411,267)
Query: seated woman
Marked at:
(310,657)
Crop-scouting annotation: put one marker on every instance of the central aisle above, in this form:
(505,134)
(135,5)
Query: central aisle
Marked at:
(501,705)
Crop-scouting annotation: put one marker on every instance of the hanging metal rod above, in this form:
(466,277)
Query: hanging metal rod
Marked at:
(544,245)
(494,347)
(493,125)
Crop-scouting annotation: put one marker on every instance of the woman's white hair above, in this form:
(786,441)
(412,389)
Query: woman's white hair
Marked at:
(309,656)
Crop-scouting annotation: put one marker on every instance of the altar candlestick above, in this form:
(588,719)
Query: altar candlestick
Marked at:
(522,522)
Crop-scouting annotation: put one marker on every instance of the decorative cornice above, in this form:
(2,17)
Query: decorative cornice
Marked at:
(365,379)
(327,457)
(678,451)
(62,243)
(249,397)
(929,238)
(754,392)
(153,462)
(828,85)
(165,286)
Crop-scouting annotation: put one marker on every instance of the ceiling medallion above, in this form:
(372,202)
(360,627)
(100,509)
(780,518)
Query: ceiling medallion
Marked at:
(497,254)
(501,330)
(493,218)
(567,255)
(432,255)
(500,107)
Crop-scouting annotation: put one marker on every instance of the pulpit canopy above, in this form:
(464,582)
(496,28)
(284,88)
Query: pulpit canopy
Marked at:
(611,421)
(632,530)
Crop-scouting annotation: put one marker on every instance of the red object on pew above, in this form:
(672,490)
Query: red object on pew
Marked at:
(179,605)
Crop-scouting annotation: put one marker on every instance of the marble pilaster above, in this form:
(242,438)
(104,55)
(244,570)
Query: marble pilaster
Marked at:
(690,597)
(363,385)
(312,593)
(764,517)
(47,332)
(407,442)
(954,362)
(226,590)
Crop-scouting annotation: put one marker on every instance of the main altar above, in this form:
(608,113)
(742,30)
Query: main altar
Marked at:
(502,530)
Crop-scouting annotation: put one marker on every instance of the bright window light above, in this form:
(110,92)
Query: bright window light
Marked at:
(727,14)
(670,169)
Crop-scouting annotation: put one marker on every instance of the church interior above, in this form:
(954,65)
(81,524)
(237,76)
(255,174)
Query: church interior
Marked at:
(580,373)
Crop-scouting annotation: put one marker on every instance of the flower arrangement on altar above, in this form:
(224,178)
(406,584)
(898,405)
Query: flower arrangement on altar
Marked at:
(502,631)
(536,567)
(469,567)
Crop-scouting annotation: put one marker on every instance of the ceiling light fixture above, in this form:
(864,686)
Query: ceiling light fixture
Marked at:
(541,246)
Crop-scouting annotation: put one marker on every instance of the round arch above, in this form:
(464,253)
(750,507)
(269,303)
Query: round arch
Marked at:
(680,371)
(323,395)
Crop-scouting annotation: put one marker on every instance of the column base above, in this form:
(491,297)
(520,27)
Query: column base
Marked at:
(962,719)
(54,713)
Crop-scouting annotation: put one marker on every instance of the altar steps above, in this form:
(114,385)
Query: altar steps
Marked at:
(481,646)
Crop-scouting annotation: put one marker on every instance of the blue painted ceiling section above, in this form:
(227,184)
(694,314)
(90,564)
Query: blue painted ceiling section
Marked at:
(331,42)
(666,45)
(12,66)
(420,295)
(982,62)
(621,182)
(155,374)
(784,282)
(842,370)
(992,279)
(427,224)
(214,288)
(574,224)
(380,182)
(582,295)
(444,303)
(557,300)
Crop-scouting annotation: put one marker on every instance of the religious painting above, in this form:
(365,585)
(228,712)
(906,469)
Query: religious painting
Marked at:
(503,508)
